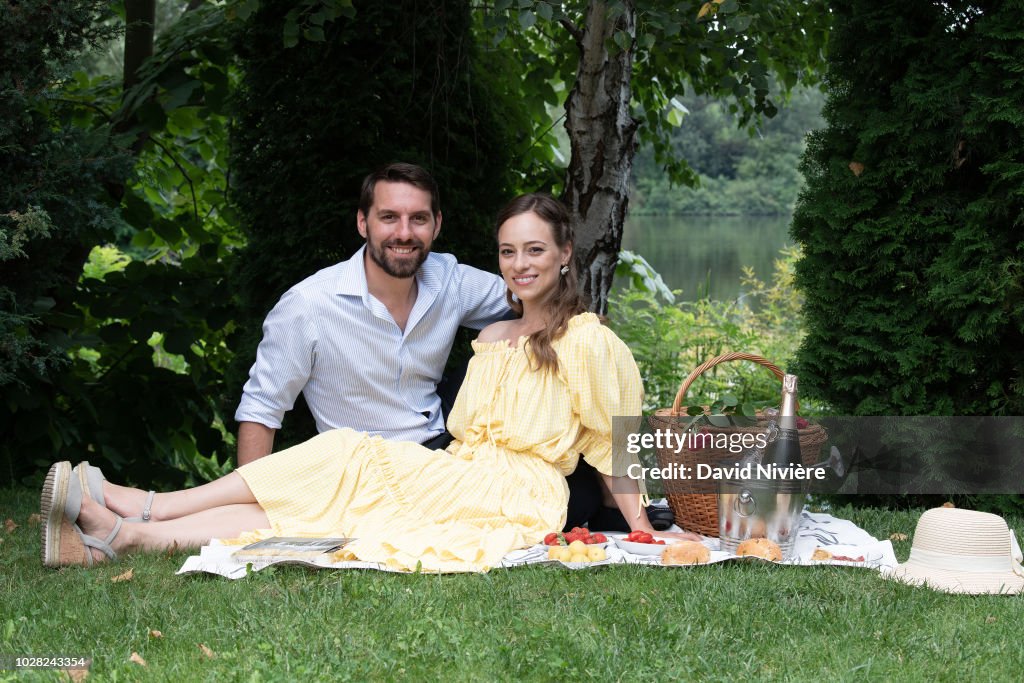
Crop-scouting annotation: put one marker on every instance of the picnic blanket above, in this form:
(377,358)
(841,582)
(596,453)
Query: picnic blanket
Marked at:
(840,538)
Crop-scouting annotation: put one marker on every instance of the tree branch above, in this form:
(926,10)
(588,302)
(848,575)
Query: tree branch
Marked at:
(573,30)
(184,173)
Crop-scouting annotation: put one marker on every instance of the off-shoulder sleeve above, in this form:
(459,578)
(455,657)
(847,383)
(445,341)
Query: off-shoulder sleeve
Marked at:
(604,382)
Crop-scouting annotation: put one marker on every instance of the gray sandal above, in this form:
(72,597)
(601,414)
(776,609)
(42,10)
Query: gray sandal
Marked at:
(93,482)
(63,542)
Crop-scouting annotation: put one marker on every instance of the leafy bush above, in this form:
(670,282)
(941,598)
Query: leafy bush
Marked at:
(669,339)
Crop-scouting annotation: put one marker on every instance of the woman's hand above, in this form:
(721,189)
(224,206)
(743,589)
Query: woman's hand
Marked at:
(627,497)
(677,535)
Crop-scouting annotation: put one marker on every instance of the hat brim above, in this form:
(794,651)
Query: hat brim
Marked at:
(948,581)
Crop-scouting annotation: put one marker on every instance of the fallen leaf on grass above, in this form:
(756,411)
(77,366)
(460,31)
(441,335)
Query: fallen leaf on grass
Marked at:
(33,520)
(10,525)
(153,633)
(137,659)
(897,537)
(990,619)
(206,651)
(77,675)
(171,551)
(857,168)
(127,576)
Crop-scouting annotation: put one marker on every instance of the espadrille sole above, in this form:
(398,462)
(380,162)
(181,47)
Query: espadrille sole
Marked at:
(51,511)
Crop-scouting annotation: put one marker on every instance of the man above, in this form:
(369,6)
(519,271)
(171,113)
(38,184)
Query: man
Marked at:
(366,340)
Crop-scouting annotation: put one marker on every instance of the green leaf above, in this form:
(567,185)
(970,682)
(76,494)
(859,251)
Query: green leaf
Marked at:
(527,19)
(694,411)
(728,6)
(290,32)
(43,304)
(729,400)
(719,420)
(502,5)
(623,40)
(245,9)
(314,34)
(545,11)
(179,96)
(740,23)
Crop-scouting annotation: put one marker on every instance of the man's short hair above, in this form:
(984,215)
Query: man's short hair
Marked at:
(399,172)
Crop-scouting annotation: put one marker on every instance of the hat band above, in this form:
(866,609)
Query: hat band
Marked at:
(965,563)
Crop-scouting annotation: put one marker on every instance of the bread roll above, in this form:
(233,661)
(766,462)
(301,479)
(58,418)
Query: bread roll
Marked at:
(760,547)
(685,552)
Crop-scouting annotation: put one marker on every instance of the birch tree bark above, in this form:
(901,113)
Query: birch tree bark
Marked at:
(603,136)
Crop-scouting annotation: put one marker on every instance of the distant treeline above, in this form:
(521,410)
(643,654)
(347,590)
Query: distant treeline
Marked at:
(740,173)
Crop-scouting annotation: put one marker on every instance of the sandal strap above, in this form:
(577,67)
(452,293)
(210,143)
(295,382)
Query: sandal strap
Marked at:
(146,510)
(73,499)
(86,480)
(94,477)
(104,545)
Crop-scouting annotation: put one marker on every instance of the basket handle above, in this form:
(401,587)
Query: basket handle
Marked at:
(708,364)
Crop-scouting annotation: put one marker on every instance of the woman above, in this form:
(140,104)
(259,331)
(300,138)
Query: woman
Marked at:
(539,390)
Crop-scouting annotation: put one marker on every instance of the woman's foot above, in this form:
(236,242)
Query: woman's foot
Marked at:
(62,503)
(100,522)
(135,505)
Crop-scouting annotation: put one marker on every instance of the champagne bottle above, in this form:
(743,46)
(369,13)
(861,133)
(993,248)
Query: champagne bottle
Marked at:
(785,449)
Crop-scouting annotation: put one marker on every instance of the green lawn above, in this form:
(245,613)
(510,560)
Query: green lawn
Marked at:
(737,621)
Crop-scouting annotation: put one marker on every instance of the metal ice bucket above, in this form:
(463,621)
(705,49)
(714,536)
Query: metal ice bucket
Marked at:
(760,508)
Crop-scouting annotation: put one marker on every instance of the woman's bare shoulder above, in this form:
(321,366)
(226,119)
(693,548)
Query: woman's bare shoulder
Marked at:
(495,331)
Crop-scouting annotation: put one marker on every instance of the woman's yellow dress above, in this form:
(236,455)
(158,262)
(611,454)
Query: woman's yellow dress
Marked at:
(499,486)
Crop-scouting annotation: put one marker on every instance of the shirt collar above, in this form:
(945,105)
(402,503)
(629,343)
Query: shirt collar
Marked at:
(352,275)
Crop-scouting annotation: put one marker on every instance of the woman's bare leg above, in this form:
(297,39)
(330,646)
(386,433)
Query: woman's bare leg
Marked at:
(230,489)
(189,531)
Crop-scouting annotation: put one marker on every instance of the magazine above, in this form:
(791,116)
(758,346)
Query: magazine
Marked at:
(287,549)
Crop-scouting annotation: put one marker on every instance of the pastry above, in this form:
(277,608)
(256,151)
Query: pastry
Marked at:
(760,547)
(686,552)
(821,554)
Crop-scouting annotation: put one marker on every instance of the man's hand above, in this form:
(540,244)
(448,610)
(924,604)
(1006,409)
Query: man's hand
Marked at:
(254,441)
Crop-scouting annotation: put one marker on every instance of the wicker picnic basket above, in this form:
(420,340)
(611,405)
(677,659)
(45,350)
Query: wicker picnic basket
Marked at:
(694,502)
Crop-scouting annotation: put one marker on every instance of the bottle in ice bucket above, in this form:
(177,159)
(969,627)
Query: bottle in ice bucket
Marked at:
(763,503)
(785,449)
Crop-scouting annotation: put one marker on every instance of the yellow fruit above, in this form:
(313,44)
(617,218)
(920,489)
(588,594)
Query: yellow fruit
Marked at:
(562,553)
(553,552)
(579,557)
(578,547)
(595,553)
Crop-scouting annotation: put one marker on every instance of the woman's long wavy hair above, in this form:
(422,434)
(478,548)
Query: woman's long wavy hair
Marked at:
(565,301)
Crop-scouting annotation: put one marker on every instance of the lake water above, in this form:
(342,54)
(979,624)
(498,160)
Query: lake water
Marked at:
(701,253)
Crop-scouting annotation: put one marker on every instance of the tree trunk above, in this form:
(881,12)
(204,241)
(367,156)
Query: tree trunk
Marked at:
(139,20)
(139,36)
(603,137)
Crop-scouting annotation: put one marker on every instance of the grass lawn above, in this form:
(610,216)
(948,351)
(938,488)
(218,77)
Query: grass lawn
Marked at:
(737,621)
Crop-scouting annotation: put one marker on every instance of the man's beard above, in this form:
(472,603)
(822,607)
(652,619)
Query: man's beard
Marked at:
(404,268)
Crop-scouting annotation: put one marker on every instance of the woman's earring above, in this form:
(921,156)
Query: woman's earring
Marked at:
(565,269)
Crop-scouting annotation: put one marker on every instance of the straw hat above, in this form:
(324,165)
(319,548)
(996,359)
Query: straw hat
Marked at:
(962,551)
